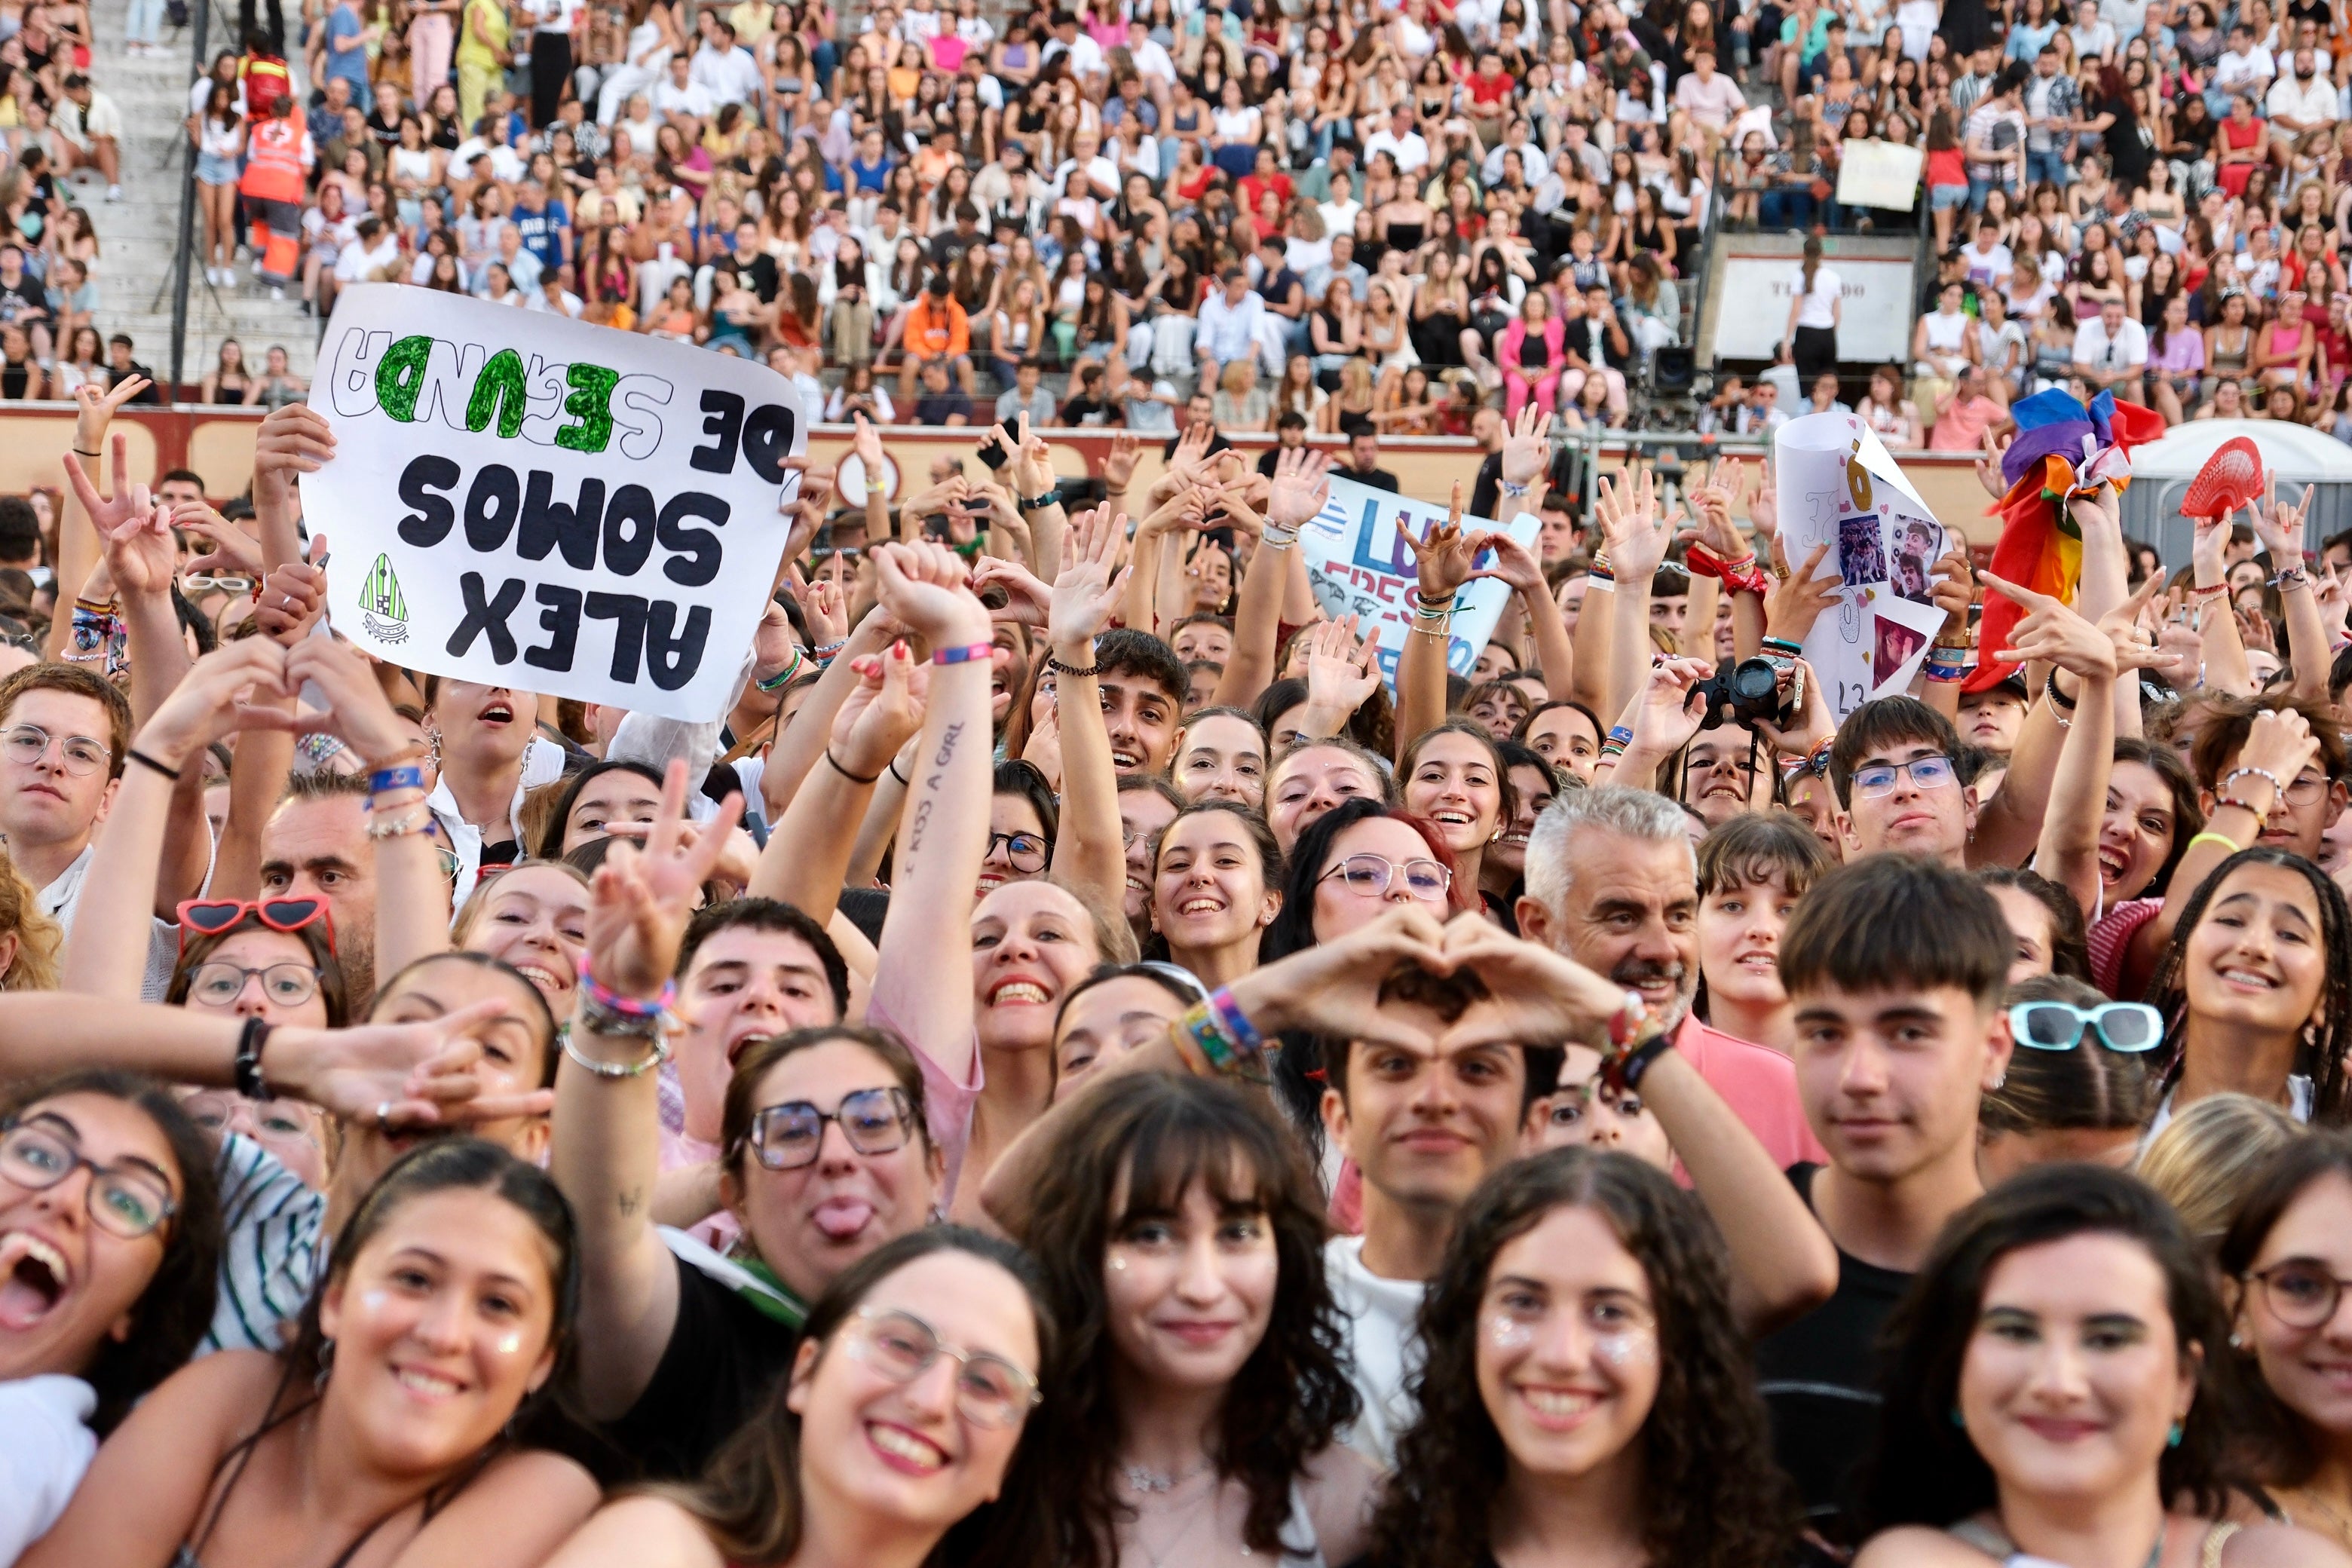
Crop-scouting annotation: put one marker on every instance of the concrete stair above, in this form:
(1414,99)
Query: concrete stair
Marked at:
(139,236)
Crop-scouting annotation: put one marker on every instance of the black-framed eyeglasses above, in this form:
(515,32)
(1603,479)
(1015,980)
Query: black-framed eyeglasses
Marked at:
(26,745)
(218,982)
(1370,876)
(2302,1293)
(1026,851)
(990,1390)
(1934,771)
(874,1120)
(124,1202)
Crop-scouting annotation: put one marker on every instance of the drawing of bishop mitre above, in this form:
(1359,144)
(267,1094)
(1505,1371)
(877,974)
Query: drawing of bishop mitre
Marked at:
(382,609)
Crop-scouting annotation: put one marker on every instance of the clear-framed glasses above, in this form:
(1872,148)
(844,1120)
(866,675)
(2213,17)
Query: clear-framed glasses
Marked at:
(26,745)
(2130,1027)
(1370,876)
(128,1202)
(786,1137)
(218,982)
(990,1390)
(2304,788)
(1926,773)
(1573,1104)
(1025,851)
(2302,1293)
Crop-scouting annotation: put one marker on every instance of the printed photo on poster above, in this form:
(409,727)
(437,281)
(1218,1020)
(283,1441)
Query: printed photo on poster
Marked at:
(1862,560)
(1897,645)
(1914,544)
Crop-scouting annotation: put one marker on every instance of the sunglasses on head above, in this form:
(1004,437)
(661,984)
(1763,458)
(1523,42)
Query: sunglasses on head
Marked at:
(2131,1026)
(214,917)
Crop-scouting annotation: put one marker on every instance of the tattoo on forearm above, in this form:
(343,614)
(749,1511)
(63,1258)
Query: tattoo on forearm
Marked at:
(630,1201)
(931,782)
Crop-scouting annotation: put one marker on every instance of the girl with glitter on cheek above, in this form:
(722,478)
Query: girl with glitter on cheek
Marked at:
(405,1397)
(1587,1394)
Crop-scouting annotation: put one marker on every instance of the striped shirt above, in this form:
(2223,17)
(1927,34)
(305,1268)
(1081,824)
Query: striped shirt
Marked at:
(274,1247)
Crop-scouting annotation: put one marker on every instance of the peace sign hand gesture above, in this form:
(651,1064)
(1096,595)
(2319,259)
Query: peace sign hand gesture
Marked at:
(641,898)
(1447,557)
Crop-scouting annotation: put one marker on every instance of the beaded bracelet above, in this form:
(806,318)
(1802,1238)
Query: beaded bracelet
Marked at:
(417,819)
(826,654)
(612,1001)
(2235,773)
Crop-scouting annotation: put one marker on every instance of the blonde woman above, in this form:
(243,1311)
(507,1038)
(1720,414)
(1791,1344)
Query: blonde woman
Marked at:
(29,939)
(1240,405)
(2206,1157)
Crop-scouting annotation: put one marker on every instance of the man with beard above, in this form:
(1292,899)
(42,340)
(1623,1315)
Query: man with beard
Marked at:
(1613,882)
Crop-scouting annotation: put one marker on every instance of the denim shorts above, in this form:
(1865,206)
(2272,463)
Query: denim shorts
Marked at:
(211,169)
(1944,198)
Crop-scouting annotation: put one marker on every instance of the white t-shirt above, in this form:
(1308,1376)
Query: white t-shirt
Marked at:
(1818,306)
(1384,1350)
(45,1447)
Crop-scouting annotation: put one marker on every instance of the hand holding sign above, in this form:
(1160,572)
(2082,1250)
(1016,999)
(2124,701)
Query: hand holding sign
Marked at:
(291,596)
(527,500)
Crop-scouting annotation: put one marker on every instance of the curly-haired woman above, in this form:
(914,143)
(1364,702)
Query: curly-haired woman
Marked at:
(1588,1394)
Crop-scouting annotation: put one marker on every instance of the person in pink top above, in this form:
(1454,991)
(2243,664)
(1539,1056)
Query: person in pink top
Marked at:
(1963,414)
(1529,350)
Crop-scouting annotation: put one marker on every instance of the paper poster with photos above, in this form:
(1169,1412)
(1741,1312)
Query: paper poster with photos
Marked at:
(1838,485)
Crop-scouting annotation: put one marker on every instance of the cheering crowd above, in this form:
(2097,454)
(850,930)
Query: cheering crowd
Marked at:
(1081,1065)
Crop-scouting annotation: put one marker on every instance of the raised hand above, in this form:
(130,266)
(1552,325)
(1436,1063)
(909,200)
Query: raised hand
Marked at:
(1711,508)
(2278,746)
(1955,589)
(233,550)
(2052,633)
(640,899)
(2280,526)
(882,713)
(1301,488)
(294,439)
(1799,597)
(289,601)
(106,514)
(2208,551)
(357,713)
(866,442)
(1341,672)
(1447,557)
(1670,712)
(1813,724)
(1527,451)
(204,705)
(1536,996)
(1028,599)
(140,554)
(1637,537)
(1333,987)
(1764,506)
(1119,467)
(1513,564)
(1087,592)
(923,584)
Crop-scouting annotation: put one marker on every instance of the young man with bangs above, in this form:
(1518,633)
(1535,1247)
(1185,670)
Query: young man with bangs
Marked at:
(1143,686)
(1895,966)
